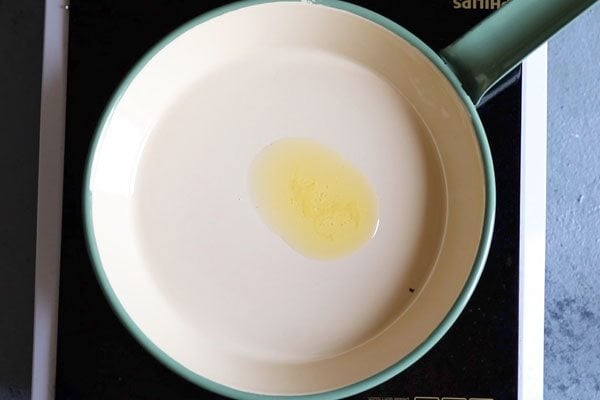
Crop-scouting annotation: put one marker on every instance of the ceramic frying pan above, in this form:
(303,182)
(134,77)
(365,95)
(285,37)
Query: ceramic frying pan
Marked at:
(237,150)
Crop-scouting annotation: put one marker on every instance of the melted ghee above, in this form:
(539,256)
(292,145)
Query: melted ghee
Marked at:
(319,203)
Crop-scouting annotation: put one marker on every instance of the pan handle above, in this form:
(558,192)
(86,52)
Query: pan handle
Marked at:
(493,48)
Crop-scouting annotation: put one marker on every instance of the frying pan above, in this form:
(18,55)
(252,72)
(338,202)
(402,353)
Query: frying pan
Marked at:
(213,291)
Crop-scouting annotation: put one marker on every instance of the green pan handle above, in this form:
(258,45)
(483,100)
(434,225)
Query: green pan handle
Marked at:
(493,48)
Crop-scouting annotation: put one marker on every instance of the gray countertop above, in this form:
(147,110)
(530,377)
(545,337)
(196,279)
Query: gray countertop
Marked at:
(572,326)
(21,34)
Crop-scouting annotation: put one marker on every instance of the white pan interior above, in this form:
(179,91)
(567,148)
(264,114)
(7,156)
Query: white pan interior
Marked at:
(191,262)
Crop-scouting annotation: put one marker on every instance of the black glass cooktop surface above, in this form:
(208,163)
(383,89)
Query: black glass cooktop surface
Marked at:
(97,358)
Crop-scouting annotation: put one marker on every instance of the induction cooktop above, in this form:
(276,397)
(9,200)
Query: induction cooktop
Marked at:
(97,358)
